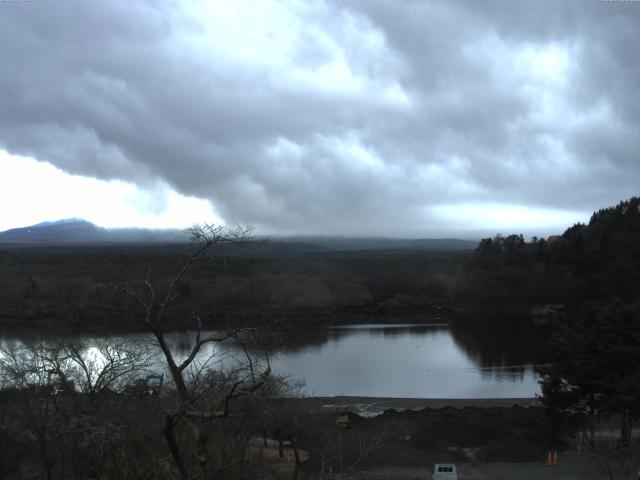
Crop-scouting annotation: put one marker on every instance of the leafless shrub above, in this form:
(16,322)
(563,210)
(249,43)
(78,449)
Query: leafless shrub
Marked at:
(618,460)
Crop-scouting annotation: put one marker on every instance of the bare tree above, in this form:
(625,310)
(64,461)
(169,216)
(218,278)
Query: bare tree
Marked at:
(20,368)
(90,366)
(96,366)
(49,384)
(195,412)
(618,460)
(334,449)
(32,413)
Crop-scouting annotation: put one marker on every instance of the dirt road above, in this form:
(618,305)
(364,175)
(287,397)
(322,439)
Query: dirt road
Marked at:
(570,468)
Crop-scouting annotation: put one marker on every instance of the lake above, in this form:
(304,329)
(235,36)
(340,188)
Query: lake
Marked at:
(429,361)
(399,360)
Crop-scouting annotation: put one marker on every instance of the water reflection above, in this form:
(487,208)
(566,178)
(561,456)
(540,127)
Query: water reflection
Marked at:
(389,360)
(409,361)
(299,339)
(503,346)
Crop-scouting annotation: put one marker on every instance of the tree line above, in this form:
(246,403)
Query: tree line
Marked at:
(599,260)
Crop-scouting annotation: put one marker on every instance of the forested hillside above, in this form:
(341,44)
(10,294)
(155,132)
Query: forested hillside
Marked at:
(599,261)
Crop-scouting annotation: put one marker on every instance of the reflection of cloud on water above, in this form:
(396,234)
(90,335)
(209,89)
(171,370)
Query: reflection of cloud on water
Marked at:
(416,362)
(394,360)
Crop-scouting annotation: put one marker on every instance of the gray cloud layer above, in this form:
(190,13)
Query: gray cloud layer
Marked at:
(355,116)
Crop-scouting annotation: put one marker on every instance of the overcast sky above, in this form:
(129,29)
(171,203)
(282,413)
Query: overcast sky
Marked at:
(395,118)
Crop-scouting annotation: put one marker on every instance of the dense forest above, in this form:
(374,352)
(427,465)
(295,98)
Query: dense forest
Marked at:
(596,261)
(45,286)
(599,261)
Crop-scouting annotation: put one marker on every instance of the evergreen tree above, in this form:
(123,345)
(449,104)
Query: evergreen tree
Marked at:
(596,369)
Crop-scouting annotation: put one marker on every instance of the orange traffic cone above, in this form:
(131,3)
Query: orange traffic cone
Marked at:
(331,476)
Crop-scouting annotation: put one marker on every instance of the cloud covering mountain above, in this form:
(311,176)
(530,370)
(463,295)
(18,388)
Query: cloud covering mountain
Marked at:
(350,117)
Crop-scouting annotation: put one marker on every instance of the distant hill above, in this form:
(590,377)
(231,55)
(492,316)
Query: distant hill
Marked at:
(77,231)
(381,243)
(81,231)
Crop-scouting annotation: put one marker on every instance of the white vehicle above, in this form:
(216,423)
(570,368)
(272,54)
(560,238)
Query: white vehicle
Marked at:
(444,471)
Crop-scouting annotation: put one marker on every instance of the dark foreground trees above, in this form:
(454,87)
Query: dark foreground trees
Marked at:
(596,371)
(67,403)
(618,461)
(593,389)
(60,415)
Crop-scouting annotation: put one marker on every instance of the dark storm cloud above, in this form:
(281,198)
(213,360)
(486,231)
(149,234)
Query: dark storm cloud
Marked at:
(339,117)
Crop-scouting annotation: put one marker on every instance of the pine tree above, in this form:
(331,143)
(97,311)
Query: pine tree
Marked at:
(596,370)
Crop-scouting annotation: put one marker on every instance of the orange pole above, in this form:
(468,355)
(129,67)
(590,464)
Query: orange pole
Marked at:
(549,459)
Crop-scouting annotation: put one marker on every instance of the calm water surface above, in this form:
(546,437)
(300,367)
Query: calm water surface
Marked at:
(407,360)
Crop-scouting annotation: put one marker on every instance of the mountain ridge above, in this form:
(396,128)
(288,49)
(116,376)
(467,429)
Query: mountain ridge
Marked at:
(82,231)
(74,231)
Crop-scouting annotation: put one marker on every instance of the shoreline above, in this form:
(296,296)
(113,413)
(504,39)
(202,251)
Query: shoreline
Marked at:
(372,406)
